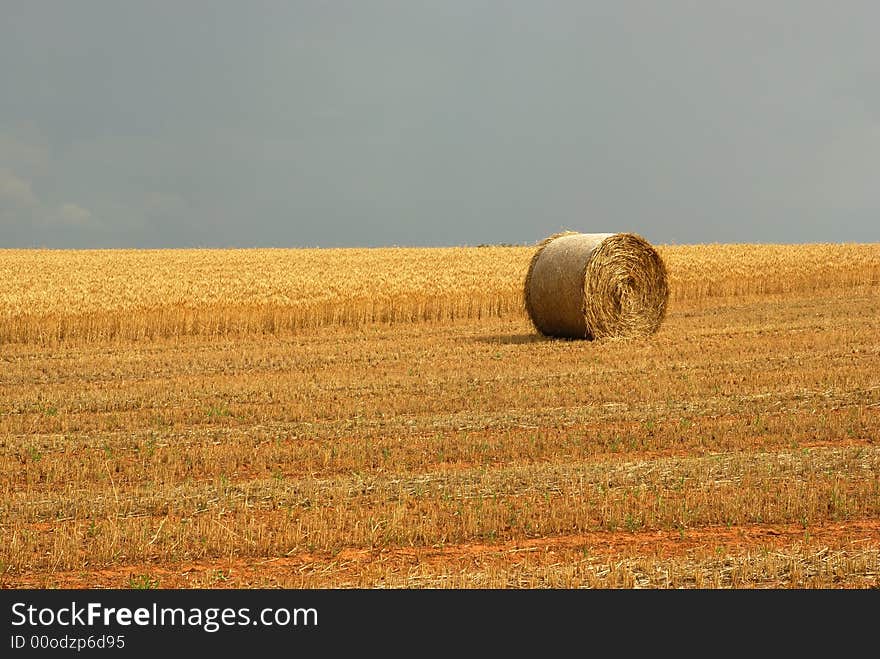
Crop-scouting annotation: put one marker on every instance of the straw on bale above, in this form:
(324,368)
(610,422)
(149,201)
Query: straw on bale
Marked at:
(596,285)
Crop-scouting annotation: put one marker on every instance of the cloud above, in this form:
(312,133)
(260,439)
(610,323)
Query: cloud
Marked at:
(71,215)
(20,207)
(25,160)
(23,156)
(25,149)
(15,192)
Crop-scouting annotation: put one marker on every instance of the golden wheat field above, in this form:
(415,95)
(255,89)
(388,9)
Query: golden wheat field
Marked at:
(388,418)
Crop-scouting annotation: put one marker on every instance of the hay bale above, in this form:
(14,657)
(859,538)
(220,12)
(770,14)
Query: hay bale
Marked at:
(596,285)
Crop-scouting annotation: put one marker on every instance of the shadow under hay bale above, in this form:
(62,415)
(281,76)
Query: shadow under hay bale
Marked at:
(596,285)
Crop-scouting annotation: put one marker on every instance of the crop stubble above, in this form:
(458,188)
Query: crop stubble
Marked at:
(735,448)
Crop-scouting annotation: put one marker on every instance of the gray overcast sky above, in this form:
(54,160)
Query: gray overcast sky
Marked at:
(453,122)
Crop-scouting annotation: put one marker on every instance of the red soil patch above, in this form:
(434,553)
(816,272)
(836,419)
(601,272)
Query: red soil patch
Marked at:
(242,572)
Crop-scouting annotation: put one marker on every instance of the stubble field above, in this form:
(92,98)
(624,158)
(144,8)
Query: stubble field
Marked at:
(389,418)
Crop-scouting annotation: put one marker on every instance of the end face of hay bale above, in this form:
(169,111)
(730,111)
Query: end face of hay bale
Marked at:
(582,285)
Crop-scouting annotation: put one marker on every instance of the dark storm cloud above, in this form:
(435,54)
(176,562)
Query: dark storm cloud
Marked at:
(441,123)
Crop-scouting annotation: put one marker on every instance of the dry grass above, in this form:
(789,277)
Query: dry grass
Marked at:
(596,286)
(47,296)
(737,447)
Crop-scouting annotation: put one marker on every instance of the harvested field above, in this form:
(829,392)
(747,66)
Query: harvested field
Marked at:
(236,419)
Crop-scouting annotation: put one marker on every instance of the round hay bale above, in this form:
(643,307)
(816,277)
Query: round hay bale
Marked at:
(596,285)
